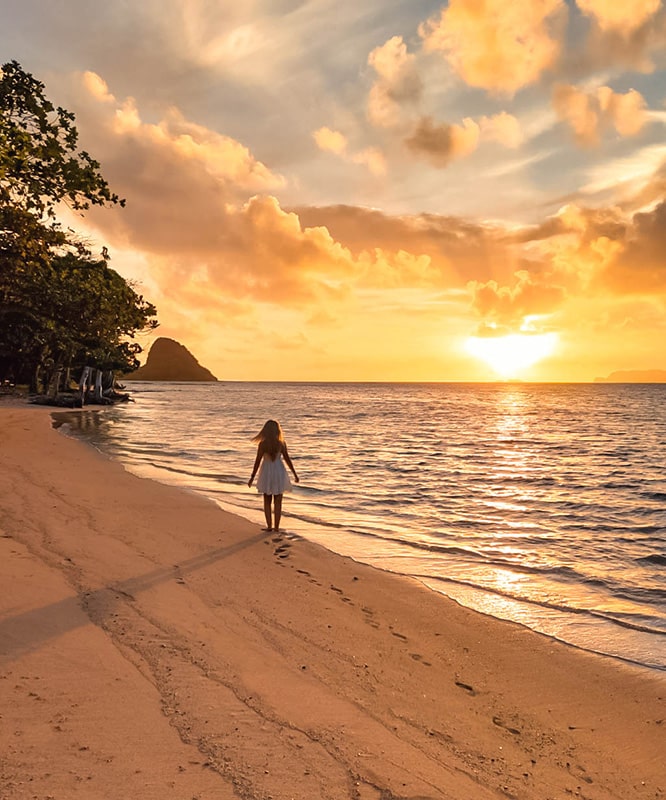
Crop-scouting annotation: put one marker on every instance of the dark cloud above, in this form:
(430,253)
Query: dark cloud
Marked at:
(459,249)
(440,143)
(640,47)
(641,266)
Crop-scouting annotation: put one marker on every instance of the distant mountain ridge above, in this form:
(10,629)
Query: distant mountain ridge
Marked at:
(168,360)
(635,376)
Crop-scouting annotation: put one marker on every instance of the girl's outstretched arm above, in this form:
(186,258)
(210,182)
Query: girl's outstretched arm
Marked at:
(257,461)
(288,461)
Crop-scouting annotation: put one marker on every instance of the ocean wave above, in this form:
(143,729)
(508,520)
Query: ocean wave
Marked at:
(658,497)
(647,625)
(653,558)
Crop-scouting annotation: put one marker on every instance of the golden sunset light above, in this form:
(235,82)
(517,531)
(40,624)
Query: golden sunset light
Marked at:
(509,356)
(453,167)
(332,399)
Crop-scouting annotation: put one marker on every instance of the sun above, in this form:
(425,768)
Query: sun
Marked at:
(511,355)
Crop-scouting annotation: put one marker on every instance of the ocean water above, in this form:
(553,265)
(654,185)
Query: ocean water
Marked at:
(544,504)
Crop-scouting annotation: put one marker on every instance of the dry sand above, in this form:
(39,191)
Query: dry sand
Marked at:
(154,647)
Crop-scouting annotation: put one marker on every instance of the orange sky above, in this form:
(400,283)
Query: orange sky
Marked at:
(321,192)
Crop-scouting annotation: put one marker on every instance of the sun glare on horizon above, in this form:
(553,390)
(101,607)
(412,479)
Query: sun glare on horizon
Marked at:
(511,355)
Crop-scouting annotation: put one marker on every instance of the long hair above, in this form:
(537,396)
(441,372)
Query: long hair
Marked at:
(271,437)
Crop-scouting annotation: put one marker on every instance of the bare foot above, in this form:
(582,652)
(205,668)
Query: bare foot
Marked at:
(267,530)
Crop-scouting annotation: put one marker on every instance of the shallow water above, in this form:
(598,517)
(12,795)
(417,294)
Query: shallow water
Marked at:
(540,503)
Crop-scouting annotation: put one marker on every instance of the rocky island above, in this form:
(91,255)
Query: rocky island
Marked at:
(635,376)
(168,360)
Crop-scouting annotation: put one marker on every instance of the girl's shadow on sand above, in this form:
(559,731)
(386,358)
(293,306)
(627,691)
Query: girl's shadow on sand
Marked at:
(26,632)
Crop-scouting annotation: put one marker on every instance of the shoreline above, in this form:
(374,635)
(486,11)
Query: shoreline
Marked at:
(155,645)
(588,630)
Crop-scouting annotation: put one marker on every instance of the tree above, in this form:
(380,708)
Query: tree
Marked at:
(39,165)
(100,311)
(59,306)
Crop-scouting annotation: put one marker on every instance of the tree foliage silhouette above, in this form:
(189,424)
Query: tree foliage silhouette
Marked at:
(60,307)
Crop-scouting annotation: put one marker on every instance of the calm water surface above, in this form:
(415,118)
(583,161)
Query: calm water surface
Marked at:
(540,503)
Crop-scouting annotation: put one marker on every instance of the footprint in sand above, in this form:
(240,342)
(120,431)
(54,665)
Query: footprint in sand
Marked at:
(419,657)
(370,617)
(578,771)
(343,596)
(501,724)
(466,687)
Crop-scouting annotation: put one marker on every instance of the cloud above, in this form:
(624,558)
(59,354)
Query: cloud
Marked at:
(589,114)
(647,175)
(503,128)
(538,278)
(603,252)
(458,250)
(639,267)
(398,82)
(274,258)
(628,34)
(336,142)
(497,45)
(204,214)
(193,151)
(97,87)
(373,159)
(506,308)
(624,18)
(441,143)
(332,141)
(199,204)
(190,211)
(637,179)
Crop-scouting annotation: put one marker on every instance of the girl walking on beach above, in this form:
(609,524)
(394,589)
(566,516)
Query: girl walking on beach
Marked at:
(273,479)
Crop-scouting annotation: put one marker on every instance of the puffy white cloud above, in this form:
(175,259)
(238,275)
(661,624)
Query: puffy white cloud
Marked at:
(503,128)
(398,82)
(97,87)
(590,113)
(336,142)
(497,45)
(333,141)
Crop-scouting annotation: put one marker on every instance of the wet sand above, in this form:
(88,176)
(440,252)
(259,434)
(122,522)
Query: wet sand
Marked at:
(154,646)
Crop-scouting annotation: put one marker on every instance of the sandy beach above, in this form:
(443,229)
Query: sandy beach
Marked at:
(153,646)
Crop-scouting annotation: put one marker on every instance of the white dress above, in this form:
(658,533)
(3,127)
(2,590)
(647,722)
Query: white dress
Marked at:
(273,477)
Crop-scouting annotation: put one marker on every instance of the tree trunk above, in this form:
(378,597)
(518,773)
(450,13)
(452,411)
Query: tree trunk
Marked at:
(54,383)
(83,385)
(97,392)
